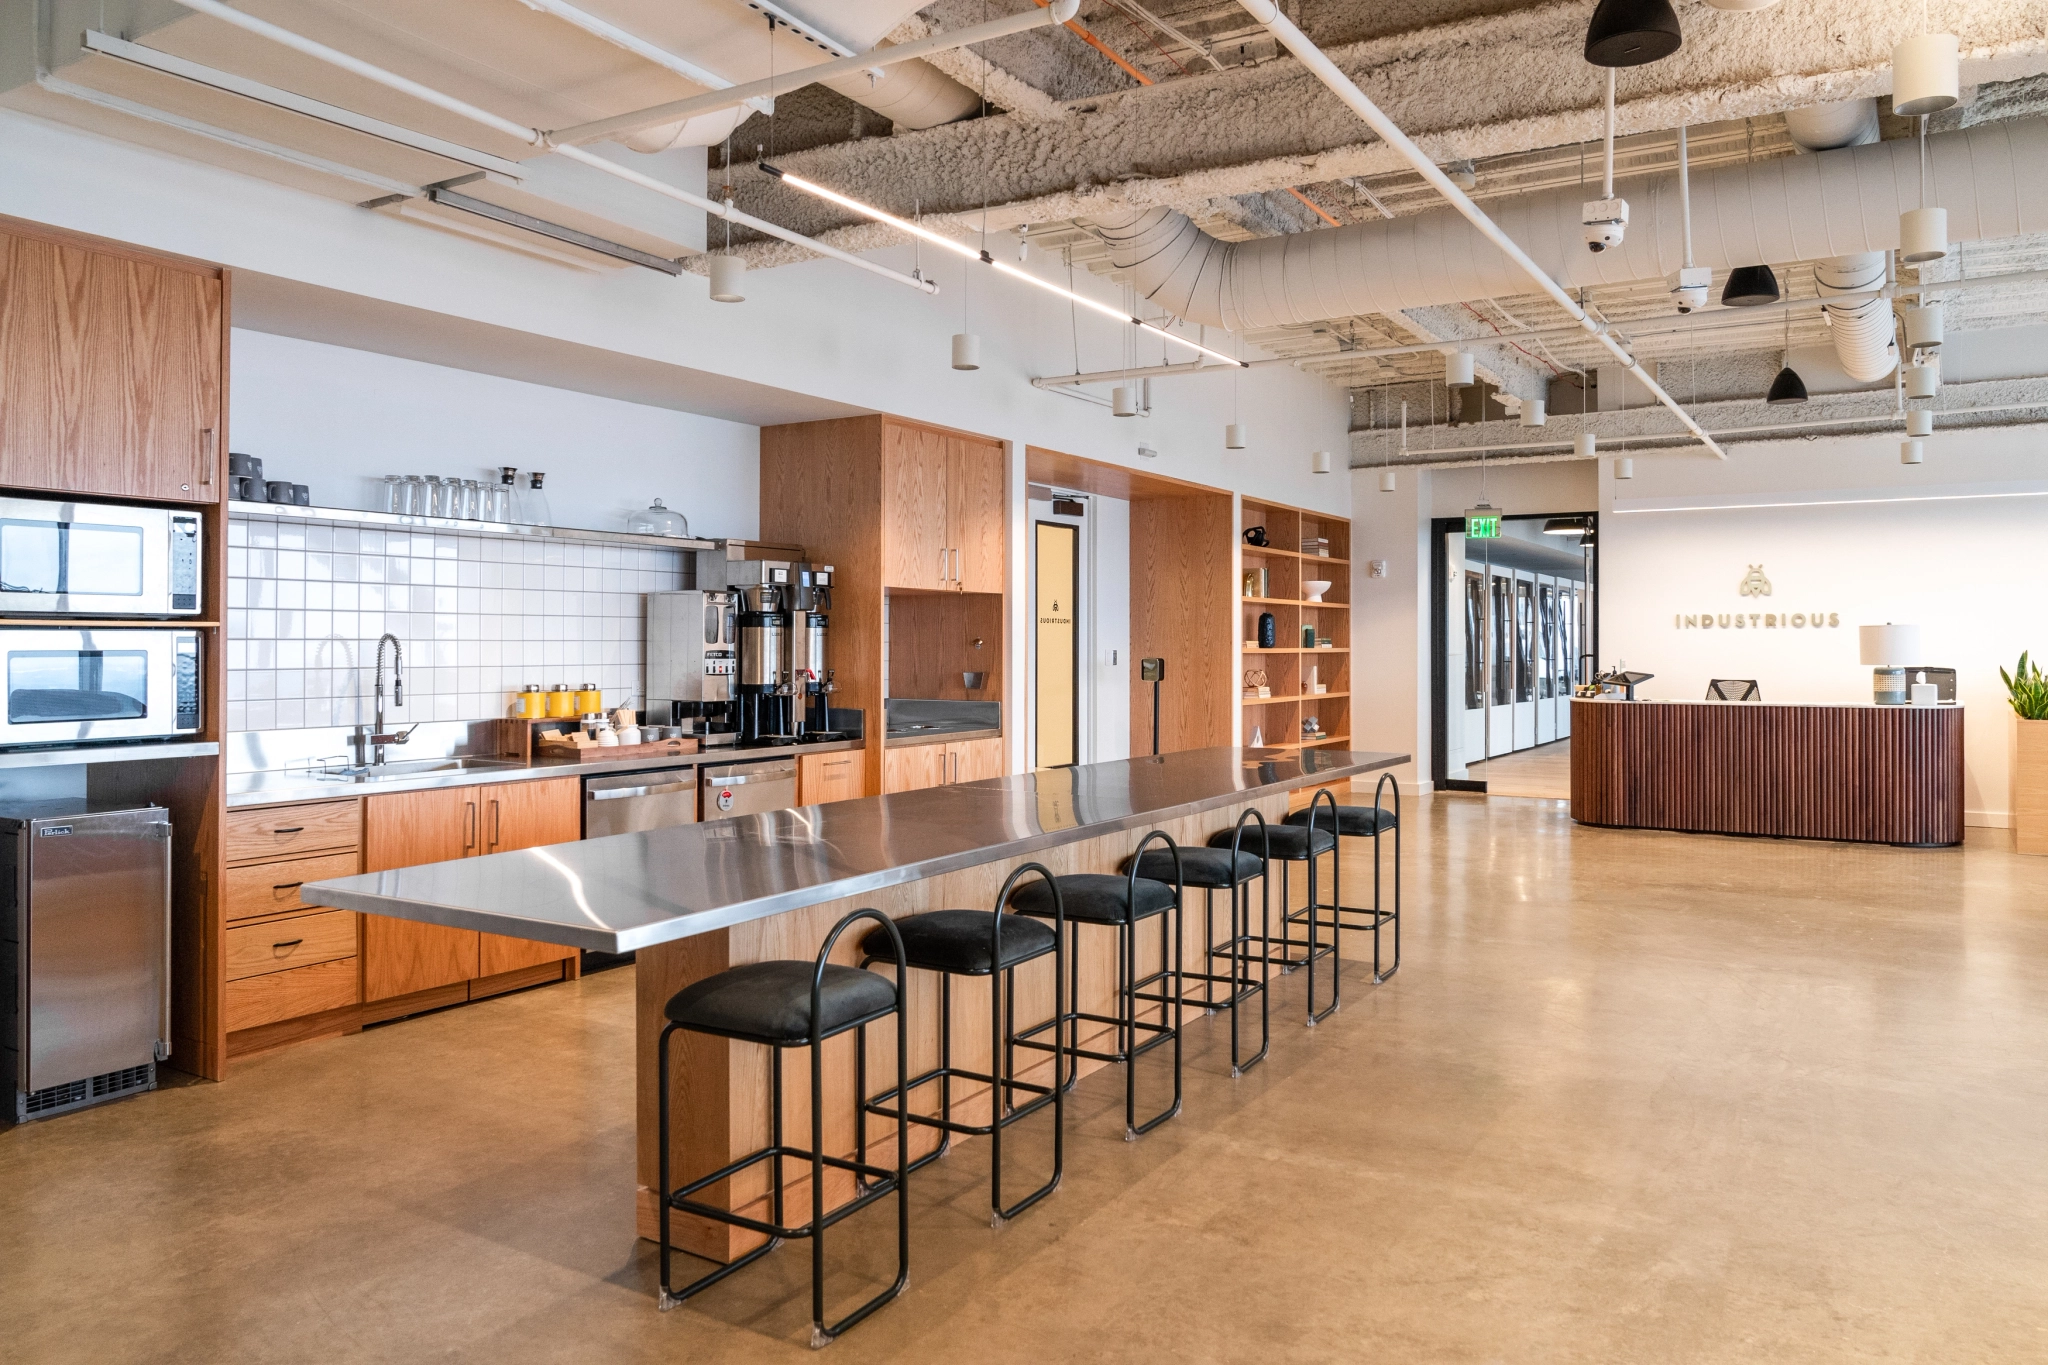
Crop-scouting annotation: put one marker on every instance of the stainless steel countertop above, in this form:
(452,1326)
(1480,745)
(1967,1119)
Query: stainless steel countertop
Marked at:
(285,785)
(629,891)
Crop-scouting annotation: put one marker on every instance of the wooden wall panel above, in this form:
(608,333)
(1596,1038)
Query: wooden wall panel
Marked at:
(931,637)
(1888,775)
(1183,608)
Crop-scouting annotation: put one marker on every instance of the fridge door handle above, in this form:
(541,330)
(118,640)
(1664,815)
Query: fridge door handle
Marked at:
(163,1044)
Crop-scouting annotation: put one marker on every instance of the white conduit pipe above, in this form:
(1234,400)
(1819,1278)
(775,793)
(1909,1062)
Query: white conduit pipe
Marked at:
(534,137)
(1309,55)
(1862,331)
(1794,208)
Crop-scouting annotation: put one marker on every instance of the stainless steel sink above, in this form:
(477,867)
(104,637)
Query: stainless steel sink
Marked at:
(420,767)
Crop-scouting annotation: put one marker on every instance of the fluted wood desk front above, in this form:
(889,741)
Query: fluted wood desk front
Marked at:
(1870,774)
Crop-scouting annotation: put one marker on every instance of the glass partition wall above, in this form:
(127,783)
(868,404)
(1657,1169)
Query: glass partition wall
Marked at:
(1512,634)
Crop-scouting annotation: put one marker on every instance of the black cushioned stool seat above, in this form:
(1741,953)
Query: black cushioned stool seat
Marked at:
(1096,898)
(956,941)
(1288,843)
(1204,868)
(1353,821)
(770,1002)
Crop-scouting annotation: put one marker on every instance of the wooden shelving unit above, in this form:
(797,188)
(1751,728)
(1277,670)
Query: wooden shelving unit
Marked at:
(1290,667)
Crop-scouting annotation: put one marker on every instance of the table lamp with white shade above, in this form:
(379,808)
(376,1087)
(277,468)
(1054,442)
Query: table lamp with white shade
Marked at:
(1886,648)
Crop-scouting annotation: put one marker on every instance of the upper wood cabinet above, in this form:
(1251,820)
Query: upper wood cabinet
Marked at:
(111,381)
(942,510)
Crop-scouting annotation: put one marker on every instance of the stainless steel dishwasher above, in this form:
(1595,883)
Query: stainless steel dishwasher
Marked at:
(748,788)
(620,803)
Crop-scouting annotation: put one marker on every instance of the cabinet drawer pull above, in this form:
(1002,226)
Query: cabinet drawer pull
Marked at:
(286,886)
(288,943)
(289,829)
(206,455)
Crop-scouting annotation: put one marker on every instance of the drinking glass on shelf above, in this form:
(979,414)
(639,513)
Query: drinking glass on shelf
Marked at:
(413,497)
(437,496)
(465,505)
(394,492)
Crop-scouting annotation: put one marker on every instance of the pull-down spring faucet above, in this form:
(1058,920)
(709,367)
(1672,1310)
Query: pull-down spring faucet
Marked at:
(370,740)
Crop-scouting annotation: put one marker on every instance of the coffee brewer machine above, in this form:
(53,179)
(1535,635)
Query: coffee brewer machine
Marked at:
(692,662)
(782,690)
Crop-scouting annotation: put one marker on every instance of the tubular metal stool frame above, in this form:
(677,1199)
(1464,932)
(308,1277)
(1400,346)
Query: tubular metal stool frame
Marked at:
(1314,950)
(1375,915)
(1129,988)
(873,1182)
(1242,986)
(1002,1043)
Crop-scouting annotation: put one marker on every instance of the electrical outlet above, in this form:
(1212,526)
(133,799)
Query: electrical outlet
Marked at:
(1376,568)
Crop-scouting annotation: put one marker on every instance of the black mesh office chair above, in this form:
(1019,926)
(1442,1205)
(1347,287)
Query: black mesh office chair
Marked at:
(1733,689)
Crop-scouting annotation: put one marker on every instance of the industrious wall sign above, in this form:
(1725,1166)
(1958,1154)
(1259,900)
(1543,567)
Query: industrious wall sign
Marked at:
(1755,585)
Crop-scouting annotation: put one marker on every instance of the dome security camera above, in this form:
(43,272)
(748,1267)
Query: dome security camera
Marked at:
(1605,221)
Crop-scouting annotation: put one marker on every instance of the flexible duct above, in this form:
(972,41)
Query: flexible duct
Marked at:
(1862,331)
(1832,204)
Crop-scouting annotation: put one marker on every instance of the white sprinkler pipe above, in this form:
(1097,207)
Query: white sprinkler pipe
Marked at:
(534,137)
(1684,193)
(1309,55)
(1607,145)
(783,82)
(639,47)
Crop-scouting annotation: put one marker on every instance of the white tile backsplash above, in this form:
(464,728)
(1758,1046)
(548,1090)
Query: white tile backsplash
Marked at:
(480,615)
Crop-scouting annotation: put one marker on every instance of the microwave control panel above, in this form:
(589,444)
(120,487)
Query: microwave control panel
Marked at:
(184,565)
(186,664)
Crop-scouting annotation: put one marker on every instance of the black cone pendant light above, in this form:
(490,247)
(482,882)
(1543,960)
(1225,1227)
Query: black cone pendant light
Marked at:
(1631,33)
(1749,285)
(1787,388)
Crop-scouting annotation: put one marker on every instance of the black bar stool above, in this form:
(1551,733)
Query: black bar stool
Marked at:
(1232,868)
(1305,841)
(980,943)
(1119,902)
(781,1005)
(1359,822)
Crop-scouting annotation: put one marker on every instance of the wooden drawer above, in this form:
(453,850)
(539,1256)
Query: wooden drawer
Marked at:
(288,831)
(273,996)
(269,888)
(286,944)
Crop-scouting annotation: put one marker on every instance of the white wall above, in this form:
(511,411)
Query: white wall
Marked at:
(1966,569)
(339,420)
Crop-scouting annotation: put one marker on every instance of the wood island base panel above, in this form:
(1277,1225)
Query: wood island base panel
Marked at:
(1863,774)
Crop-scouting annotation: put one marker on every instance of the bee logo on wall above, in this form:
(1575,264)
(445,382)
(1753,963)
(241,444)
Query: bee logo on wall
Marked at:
(1754,584)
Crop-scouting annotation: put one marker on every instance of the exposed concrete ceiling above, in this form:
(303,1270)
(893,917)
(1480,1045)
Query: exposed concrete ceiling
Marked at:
(1184,104)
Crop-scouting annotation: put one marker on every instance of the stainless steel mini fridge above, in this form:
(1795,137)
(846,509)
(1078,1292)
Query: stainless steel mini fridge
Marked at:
(85,948)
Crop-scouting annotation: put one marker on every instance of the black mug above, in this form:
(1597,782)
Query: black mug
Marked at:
(302,495)
(1255,535)
(277,490)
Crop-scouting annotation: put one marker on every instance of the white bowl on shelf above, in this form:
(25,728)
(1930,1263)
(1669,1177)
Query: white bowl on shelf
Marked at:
(1316,587)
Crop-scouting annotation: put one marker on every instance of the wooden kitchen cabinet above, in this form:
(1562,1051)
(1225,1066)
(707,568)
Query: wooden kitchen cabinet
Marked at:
(913,767)
(112,380)
(975,759)
(519,815)
(406,829)
(974,513)
(830,777)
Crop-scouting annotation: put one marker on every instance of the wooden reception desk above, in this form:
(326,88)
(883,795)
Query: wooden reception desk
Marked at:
(1872,774)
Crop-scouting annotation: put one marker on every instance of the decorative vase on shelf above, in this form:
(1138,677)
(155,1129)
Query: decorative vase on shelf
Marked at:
(1269,631)
(1316,587)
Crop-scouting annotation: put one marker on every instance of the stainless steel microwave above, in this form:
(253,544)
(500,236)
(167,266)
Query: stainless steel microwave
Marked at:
(97,559)
(82,686)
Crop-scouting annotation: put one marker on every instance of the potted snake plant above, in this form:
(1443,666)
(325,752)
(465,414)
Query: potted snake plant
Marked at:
(2027,689)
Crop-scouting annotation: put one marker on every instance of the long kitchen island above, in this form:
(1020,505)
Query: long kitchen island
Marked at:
(694,900)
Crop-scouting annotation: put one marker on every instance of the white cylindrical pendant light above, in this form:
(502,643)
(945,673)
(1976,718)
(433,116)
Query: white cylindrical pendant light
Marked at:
(1457,369)
(1533,414)
(727,275)
(1913,451)
(967,352)
(1923,326)
(1926,74)
(1920,422)
(1624,468)
(1319,462)
(1234,436)
(1123,401)
(1584,445)
(1924,379)
(1923,235)
(1388,483)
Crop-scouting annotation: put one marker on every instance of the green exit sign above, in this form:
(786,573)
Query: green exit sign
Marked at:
(1482,523)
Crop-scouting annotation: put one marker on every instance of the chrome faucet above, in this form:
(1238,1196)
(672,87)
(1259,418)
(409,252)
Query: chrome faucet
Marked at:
(369,741)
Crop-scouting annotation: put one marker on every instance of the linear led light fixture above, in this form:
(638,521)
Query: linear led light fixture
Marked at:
(959,248)
(441,194)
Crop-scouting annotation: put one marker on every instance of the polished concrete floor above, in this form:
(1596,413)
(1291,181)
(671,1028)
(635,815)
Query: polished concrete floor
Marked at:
(1545,770)
(1632,1097)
